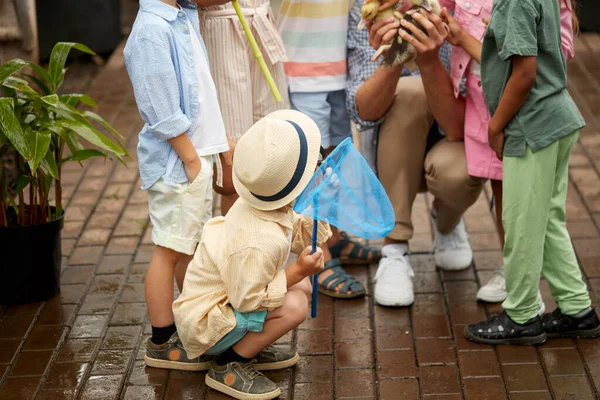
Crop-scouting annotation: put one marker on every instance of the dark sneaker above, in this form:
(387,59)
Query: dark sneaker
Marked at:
(500,329)
(558,324)
(273,358)
(172,355)
(241,381)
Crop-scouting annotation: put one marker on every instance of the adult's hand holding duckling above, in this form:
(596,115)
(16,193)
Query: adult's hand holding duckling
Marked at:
(427,43)
(382,32)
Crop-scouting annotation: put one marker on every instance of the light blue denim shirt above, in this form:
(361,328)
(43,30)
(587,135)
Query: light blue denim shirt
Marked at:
(160,63)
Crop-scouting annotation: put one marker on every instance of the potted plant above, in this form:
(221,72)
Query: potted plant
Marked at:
(41,130)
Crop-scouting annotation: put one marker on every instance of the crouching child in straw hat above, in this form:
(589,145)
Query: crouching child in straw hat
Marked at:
(236,299)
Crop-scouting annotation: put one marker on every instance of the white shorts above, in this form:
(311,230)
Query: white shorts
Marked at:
(179,213)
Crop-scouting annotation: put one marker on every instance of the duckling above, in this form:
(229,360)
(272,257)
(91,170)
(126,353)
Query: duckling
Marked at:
(370,11)
(398,51)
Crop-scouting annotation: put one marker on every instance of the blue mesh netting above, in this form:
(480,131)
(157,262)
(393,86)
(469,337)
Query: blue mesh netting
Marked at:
(346,193)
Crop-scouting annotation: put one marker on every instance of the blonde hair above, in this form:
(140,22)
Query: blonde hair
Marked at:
(571,5)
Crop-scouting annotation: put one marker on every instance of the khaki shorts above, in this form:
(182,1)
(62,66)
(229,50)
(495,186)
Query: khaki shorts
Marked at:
(179,213)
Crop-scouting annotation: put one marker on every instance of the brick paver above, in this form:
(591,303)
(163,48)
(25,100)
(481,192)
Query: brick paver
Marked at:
(88,342)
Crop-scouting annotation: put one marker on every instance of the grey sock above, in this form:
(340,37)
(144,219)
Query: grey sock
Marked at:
(582,312)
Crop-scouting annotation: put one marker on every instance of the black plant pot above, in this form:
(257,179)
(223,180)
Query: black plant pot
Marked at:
(30,262)
(589,15)
(94,23)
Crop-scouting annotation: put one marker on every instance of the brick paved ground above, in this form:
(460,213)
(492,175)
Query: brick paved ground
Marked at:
(88,342)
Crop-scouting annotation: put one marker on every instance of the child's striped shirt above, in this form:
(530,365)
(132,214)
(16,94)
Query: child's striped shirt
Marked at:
(314,33)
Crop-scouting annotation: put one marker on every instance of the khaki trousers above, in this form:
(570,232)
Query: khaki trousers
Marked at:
(406,166)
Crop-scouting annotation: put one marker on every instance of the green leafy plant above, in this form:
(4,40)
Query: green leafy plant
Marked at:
(43,130)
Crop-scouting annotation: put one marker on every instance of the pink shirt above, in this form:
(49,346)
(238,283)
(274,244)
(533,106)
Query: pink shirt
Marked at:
(481,160)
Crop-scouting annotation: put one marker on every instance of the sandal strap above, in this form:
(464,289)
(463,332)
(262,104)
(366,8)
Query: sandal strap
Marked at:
(361,252)
(339,277)
(336,249)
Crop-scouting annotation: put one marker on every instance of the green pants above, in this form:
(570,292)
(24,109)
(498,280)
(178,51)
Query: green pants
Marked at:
(537,241)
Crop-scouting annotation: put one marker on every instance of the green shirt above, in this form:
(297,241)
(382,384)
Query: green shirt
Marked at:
(529,28)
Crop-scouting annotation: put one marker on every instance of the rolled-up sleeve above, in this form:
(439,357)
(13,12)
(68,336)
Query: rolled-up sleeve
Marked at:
(156,86)
(253,280)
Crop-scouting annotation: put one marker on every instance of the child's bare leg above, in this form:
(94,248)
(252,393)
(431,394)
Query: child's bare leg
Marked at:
(181,268)
(304,286)
(277,323)
(159,286)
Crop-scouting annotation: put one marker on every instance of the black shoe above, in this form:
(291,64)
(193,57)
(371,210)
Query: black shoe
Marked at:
(500,329)
(558,324)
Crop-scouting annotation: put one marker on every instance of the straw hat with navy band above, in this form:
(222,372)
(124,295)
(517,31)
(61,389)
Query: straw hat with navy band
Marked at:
(275,159)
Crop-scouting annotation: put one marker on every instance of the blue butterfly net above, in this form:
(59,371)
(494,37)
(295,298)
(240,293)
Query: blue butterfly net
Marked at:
(346,193)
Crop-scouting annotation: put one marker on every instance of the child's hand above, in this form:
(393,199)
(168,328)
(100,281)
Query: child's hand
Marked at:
(486,21)
(310,264)
(496,142)
(192,169)
(456,31)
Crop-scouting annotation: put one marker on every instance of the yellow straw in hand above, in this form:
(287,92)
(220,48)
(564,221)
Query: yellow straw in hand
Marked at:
(257,53)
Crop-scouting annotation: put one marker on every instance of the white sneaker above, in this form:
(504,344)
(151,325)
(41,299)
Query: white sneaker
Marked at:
(495,291)
(452,252)
(393,281)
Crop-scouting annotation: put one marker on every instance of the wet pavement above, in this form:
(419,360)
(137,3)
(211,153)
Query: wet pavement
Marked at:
(88,342)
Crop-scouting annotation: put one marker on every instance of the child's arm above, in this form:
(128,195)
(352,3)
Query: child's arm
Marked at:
(253,280)
(519,46)
(187,152)
(156,88)
(517,90)
(459,37)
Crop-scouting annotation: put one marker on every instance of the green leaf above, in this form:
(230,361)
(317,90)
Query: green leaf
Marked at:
(92,135)
(58,58)
(82,155)
(20,85)
(51,100)
(10,67)
(49,164)
(39,142)
(21,182)
(45,90)
(93,116)
(73,142)
(9,125)
(43,74)
(73,100)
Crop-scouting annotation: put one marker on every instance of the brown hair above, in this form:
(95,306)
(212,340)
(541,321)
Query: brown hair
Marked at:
(571,5)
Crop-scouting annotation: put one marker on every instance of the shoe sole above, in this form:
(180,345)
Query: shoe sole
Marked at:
(524,341)
(454,269)
(394,303)
(277,365)
(587,334)
(220,387)
(176,365)
(491,299)
(337,295)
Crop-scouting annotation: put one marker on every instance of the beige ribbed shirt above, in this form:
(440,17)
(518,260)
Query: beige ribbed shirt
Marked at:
(238,264)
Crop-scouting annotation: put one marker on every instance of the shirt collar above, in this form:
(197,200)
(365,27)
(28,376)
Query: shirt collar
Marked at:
(163,10)
(283,216)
